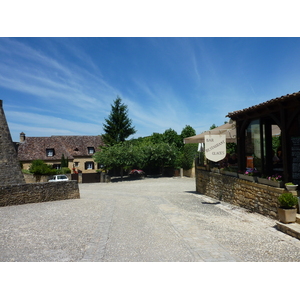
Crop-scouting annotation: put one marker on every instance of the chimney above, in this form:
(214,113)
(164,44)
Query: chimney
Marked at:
(22,137)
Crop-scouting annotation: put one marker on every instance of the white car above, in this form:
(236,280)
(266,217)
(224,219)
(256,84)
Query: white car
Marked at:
(56,178)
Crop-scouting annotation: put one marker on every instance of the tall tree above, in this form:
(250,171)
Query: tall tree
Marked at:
(187,131)
(189,150)
(118,126)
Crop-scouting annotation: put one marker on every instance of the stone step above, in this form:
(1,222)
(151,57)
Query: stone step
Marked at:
(292,229)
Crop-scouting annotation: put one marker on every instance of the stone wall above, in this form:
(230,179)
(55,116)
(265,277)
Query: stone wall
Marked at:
(31,178)
(38,192)
(10,169)
(189,173)
(256,197)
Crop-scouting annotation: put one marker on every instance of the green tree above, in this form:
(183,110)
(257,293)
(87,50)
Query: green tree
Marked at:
(189,151)
(156,138)
(118,126)
(123,155)
(137,154)
(171,137)
(64,162)
(161,154)
(187,131)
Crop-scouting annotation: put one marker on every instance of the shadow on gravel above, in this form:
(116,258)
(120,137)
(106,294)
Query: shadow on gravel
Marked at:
(212,203)
(193,192)
(128,178)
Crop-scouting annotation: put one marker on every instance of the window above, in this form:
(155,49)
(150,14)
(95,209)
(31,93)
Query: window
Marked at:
(91,150)
(50,152)
(89,165)
(76,164)
(254,143)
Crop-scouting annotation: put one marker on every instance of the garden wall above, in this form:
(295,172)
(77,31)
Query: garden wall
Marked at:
(38,192)
(256,197)
(31,178)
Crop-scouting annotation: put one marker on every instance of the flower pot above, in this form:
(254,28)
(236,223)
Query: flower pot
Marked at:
(287,215)
(229,173)
(247,177)
(266,181)
(291,187)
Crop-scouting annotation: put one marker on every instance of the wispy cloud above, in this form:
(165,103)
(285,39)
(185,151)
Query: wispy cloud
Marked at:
(38,125)
(61,86)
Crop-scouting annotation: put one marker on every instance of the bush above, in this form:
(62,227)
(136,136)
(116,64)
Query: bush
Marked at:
(287,200)
(39,167)
(63,170)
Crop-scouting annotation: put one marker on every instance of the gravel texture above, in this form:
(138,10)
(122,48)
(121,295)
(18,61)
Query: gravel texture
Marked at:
(155,219)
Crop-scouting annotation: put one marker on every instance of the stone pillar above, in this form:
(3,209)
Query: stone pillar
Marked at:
(79,177)
(10,169)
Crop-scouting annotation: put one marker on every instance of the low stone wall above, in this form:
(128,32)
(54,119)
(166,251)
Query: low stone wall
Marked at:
(38,192)
(31,178)
(256,197)
(189,173)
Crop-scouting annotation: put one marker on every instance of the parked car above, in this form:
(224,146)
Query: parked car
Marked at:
(137,173)
(56,178)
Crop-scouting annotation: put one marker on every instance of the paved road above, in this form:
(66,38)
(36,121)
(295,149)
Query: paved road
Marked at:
(156,220)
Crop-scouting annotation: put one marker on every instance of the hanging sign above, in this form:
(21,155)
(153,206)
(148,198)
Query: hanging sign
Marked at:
(215,147)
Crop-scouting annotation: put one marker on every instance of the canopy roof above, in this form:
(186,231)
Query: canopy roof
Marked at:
(228,129)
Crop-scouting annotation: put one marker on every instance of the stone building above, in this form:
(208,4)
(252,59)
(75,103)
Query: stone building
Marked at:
(10,170)
(79,151)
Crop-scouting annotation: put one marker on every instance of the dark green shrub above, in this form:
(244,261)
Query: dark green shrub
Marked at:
(287,200)
(63,170)
(39,167)
(188,155)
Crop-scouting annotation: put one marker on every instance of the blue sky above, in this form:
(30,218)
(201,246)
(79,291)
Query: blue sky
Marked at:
(65,86)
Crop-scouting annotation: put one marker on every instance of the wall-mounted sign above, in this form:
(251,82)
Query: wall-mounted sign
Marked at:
(215,147)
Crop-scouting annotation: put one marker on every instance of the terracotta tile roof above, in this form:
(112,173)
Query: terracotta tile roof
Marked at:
(71,146)
(264,104)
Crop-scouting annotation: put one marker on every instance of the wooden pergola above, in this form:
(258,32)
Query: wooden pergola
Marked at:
(254,132)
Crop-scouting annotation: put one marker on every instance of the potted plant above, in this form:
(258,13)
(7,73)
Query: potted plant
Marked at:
(287,210)
(274,180)
(291,186)
(229,171)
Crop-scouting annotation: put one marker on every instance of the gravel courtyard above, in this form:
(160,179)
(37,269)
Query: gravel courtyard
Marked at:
(150,220)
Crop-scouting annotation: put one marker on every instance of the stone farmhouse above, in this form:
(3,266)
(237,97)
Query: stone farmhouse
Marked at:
(78,150)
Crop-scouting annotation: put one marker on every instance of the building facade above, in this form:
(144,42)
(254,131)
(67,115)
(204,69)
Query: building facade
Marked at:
(78,150)
(10,170)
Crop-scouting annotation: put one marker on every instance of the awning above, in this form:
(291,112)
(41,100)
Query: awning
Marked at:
(228,129)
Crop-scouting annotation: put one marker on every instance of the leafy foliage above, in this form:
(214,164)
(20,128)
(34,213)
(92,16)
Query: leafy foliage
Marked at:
(39,167)
(276,143)
(153,152)
(136,155)
(187,131)
(118,126)
(188,156)
(287,200)
(171,137)
(63,170)
(64,162)
(231,148)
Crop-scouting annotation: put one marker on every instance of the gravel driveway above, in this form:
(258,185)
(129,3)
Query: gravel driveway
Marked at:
(155,219)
